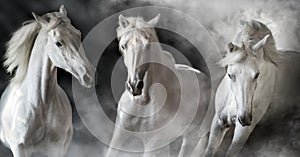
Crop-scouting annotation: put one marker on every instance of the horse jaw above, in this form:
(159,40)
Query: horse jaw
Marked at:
(141,99)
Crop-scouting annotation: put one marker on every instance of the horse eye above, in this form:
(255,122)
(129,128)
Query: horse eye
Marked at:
(256,76)
(58,44)
(232,77)
(123,47)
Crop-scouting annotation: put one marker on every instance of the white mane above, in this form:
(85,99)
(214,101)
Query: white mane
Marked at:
(20,45)
(134,23)
(19,49)
(253,31)
(234,57)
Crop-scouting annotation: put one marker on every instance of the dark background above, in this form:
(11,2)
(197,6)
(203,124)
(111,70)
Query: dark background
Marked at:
(279,132)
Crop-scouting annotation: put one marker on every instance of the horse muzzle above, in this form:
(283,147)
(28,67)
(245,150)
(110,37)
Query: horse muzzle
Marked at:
(245,120)
(135,87)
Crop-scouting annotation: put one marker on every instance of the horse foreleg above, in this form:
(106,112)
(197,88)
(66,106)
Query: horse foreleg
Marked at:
(189,142)
(19,151)
(201,145)
(68,140)
(217,132)
(163,152)
(118,138)
(56,150)
(241,134)
(240,137)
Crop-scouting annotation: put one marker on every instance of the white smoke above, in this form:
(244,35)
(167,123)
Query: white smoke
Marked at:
(222,18)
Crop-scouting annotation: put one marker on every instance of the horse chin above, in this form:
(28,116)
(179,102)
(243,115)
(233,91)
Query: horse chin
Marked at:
(141,99)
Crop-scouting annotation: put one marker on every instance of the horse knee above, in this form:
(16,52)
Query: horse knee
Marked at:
(223,123)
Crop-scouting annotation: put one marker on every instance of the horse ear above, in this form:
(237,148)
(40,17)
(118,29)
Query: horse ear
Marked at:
(63,10)
(230,47)
(255,24)
(261,43)
(39,19)
(123,22)
(154,21)
(243,22)
(243,46)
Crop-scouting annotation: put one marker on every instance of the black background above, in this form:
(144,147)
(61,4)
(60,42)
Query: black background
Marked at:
(278,133)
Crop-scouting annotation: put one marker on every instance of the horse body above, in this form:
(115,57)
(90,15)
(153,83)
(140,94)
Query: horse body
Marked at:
(158,97)
(261,101)
(165,86)
(36,114)
(30,124)
(228,109)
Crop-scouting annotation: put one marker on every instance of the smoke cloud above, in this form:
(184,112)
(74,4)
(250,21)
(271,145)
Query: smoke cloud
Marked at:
(222,18)
(276,136)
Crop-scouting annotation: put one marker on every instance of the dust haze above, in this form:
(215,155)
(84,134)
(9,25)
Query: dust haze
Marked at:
(279,132)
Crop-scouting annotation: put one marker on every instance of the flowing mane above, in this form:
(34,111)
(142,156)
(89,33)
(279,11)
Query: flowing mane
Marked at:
(235,57)
(20,45)
(134,23)
(254,31)
(19,50)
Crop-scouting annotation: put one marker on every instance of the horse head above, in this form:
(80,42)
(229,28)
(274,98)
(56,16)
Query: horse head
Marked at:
(63,46)
(136,38)
(242,74)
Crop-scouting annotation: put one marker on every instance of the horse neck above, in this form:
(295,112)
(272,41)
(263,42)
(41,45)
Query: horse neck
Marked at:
(40,81)
(158,73)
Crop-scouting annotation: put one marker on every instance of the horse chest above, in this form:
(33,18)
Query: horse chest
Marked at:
(59,118)
(134,123)
(28,123)
(22,124)
(227,109)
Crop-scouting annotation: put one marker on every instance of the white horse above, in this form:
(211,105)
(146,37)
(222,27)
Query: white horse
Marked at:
(36,115)
(155,87)
(243,95)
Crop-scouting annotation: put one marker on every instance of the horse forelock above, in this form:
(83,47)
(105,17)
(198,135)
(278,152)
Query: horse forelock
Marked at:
(135,23)
(237,57)
(54,19)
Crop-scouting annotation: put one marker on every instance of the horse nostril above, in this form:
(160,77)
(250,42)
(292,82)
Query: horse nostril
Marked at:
(250,117)
(245,121)
(140,85)
(86,78)
(128,86)
(242,120)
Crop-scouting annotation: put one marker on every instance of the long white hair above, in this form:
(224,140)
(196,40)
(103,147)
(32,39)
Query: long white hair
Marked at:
(19,50)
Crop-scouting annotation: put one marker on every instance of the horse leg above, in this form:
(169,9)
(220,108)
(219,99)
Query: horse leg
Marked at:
(68,140)
(241,134)
(189,142)
(56,150)
(19,151)
(118,138)
(163,152)
(201,145)
(240,137)
(217,132)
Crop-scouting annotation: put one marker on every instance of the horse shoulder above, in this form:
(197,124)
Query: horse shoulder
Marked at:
(64,102)
(20,123)
(223,94)
(123,119)
(59,115)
